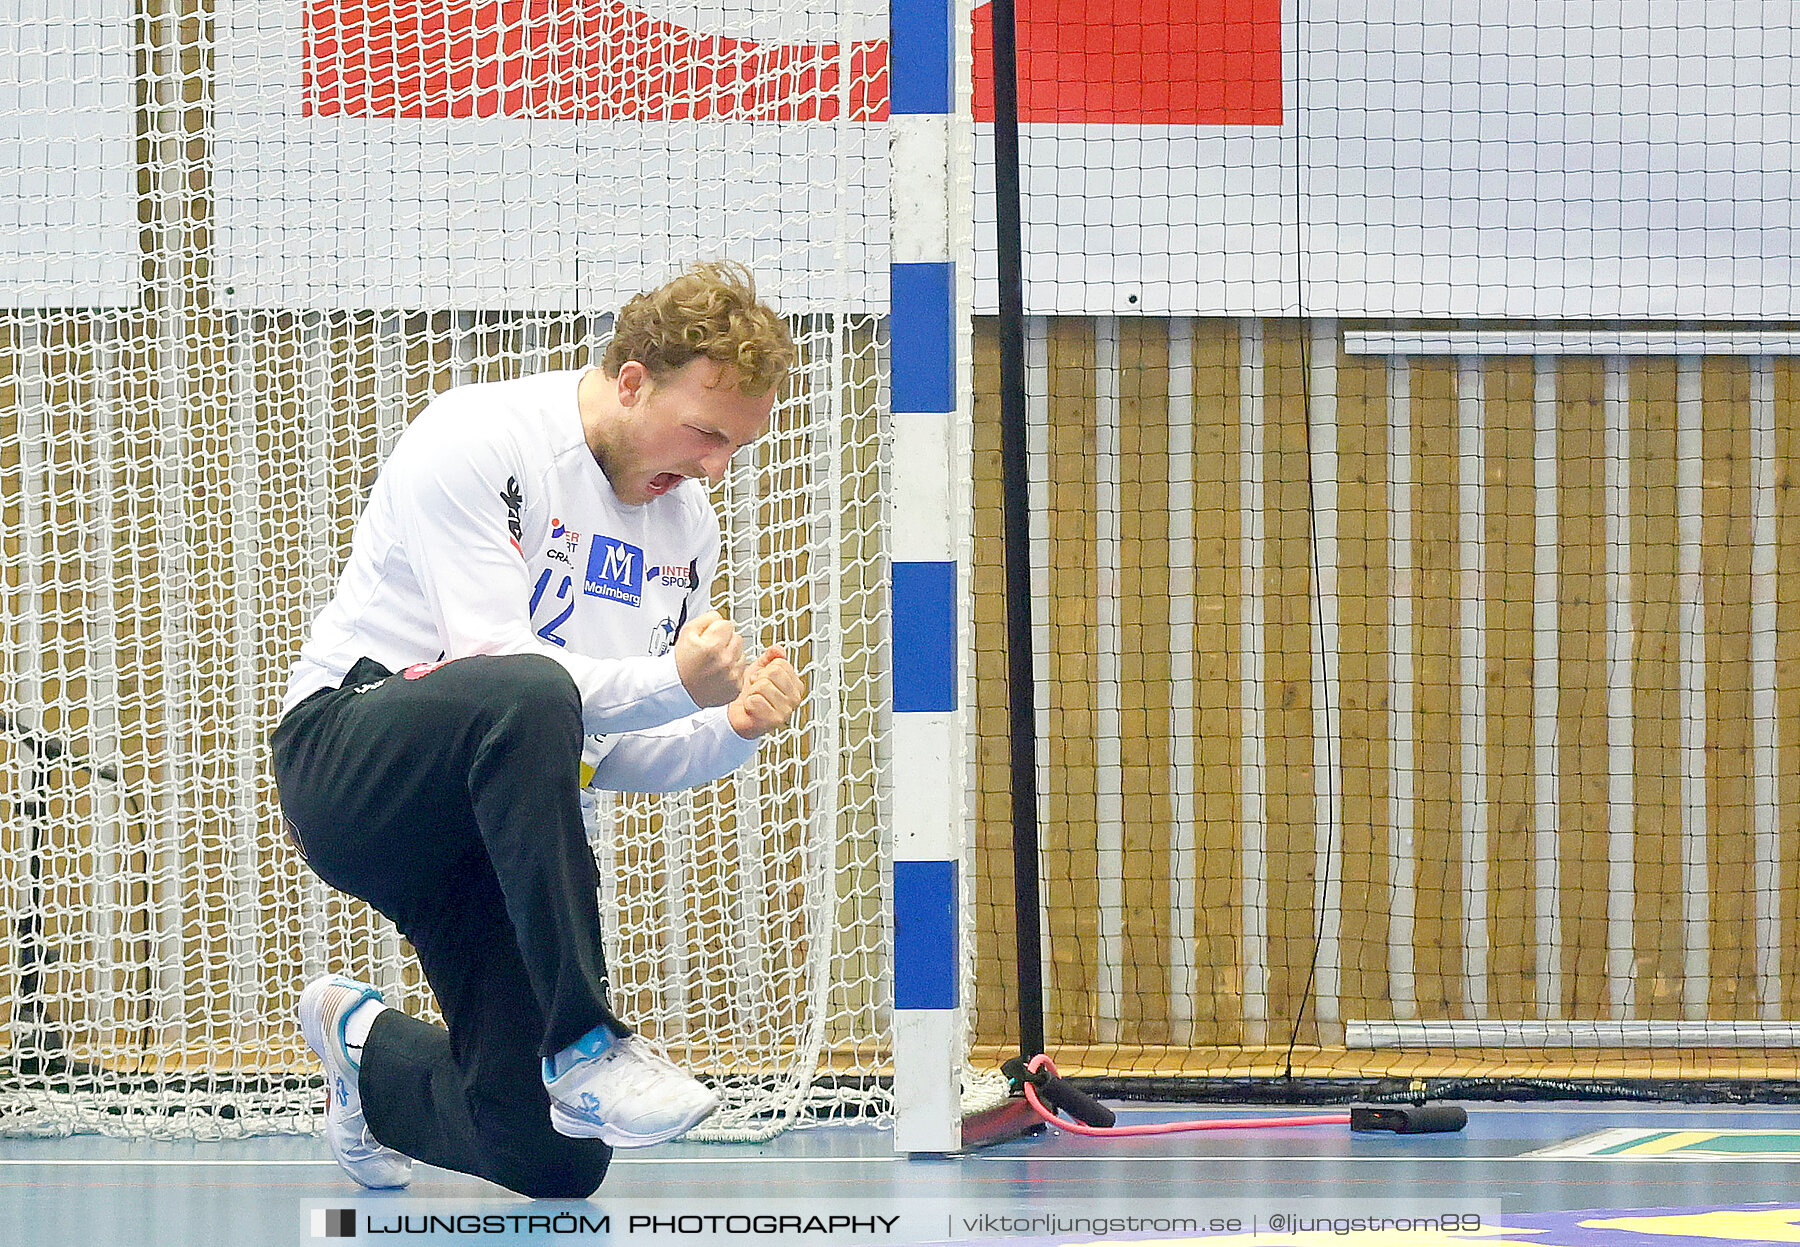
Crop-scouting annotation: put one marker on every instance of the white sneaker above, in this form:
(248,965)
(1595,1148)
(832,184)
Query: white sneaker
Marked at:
(629,1095)
(324,1006)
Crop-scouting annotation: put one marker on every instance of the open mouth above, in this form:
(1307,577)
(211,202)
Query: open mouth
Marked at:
(662,483)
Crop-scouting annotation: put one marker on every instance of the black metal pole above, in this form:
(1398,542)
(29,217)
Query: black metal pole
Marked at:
(1015,482)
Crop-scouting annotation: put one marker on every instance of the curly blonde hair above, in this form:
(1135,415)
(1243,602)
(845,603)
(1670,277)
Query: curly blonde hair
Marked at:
(710,311)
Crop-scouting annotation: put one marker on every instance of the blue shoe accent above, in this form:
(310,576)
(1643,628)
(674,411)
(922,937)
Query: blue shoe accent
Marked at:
(630,1095)
(592,1044)
(595,1041)
(343,1019)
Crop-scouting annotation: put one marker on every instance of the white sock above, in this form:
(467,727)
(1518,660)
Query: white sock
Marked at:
(356,1027)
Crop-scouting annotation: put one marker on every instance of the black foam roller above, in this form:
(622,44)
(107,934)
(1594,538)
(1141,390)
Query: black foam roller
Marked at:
(1409,1118)
(1075,1102)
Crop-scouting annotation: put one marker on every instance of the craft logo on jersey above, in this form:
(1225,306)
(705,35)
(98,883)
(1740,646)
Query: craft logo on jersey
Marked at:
(615,571)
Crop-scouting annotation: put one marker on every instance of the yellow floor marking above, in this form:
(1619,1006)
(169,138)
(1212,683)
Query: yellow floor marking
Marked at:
(1673,1141)
(1762,1225)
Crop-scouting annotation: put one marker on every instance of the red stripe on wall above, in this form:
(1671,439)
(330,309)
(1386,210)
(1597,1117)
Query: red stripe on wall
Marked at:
(581,60)
(1140,62)
(1102,62)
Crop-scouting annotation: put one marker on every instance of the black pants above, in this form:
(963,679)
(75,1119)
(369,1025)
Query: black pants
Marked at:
(450,802)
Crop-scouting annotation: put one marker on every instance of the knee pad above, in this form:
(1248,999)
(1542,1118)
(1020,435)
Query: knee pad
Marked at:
(539,689)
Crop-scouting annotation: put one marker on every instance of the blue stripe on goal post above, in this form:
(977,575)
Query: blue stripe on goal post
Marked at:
(922,327)
(926,178)
(925,903)
(919,60)
(924,603)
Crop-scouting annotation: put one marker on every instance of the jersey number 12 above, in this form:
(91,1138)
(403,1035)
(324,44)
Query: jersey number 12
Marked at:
(548,631)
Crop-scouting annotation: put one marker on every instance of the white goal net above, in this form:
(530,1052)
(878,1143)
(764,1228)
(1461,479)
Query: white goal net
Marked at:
(247,243)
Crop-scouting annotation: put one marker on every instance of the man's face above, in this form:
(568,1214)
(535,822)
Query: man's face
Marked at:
(687,424)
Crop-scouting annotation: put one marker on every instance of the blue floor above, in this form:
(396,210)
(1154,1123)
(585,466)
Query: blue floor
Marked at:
(89,1190)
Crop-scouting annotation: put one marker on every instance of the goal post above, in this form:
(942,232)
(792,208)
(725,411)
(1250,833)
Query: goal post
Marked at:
(930,585)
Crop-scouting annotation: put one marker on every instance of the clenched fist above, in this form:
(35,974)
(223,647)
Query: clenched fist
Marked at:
(709,654)
(772,691)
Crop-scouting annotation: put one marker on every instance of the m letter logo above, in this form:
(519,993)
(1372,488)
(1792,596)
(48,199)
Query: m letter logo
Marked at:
(334,1223)
(615,570)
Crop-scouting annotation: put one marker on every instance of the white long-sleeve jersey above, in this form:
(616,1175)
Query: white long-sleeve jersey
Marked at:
(492,530)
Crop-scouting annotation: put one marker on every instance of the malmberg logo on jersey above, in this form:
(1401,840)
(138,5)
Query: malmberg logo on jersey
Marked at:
(615,570)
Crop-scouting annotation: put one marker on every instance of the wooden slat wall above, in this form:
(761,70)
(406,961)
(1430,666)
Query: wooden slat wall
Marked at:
(1637,790)
(1787,670)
